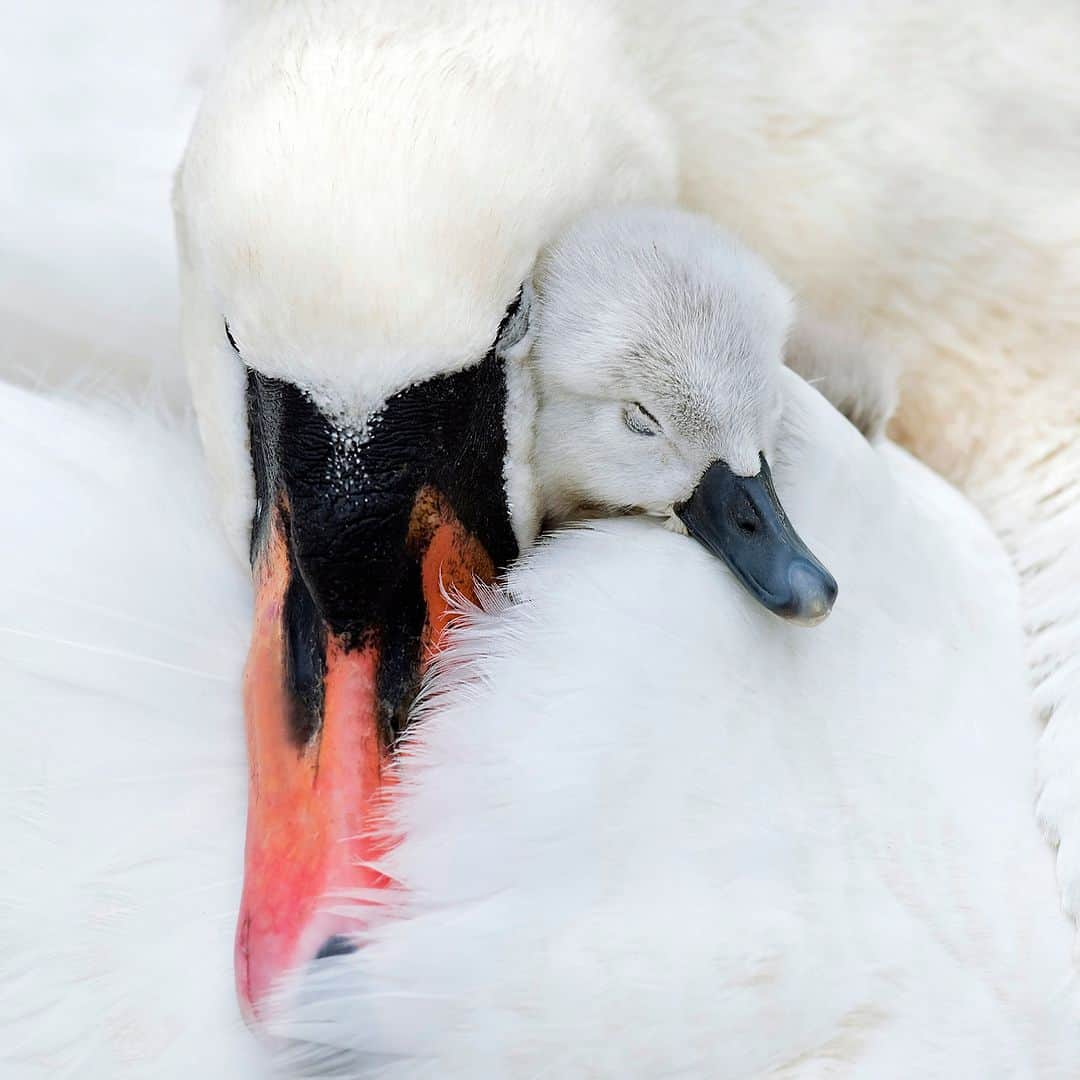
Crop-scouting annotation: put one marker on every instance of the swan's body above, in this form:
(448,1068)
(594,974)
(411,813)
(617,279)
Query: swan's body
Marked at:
(912,170)
(840,860)
(123,785)
(814,854)
(857,377)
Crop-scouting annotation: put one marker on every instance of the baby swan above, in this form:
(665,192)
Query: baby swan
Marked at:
(656,346)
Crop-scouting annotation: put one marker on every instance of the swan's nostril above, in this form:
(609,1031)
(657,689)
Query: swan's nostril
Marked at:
(337,945)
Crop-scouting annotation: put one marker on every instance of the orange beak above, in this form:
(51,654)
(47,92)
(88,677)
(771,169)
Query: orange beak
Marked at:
(314,830)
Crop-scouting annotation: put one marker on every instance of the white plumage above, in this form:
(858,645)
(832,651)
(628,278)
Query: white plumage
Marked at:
(722,846)
(906,205)
(909,172)
(655,309)
(123,625)
(721,868)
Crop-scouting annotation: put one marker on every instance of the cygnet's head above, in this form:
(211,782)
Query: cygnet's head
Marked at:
(657,342)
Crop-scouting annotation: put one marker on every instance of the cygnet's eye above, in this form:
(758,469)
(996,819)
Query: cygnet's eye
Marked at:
(232,340)
(639,420)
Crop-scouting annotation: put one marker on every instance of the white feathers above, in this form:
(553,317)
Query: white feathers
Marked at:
(664,299)
(123,626)
(650,830)
(861,380)
(658,341)
(911,167)
(651,313)
(721,842)
(367,186)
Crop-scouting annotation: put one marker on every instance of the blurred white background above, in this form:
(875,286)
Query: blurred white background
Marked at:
(95,103)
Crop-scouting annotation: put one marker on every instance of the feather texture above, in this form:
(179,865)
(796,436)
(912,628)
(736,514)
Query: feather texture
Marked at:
(123,626)
(648,830)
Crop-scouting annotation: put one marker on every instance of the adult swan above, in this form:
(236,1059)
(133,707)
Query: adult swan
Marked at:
(648,826)
(363,195)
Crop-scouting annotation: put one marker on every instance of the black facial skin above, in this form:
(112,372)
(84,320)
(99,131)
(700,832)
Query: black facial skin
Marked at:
(346,505)
(305,658)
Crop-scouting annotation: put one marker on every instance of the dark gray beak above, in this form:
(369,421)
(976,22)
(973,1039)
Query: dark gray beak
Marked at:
(740,519)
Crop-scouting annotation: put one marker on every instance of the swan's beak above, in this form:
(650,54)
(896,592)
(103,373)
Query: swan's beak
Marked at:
(356,545)
(740,519)
(316,759)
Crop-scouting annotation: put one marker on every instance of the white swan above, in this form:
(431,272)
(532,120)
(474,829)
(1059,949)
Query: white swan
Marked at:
(121,641)
(343,285)
(340,297)
(829,172)
(848,851)
(351,262)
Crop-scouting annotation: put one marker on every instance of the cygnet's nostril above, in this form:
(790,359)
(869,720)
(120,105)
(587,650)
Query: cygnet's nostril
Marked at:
(338,945)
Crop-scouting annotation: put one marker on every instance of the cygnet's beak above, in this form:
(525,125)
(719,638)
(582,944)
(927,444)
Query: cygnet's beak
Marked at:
(740,519)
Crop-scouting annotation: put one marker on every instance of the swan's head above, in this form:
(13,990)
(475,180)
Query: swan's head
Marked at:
(658,342)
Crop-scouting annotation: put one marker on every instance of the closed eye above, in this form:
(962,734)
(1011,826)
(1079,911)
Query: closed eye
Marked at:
(640,421)
(232,340)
